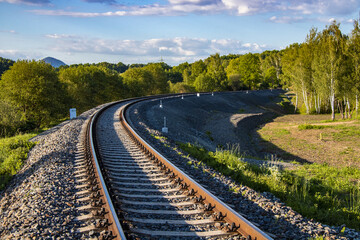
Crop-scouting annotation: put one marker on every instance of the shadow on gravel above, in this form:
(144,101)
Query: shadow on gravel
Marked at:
(247,128)
(54,158)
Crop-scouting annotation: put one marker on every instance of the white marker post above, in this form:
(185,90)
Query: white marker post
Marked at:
(198,94)
(182,96)
(72,113)
(212,94)
(161,105)
(165,129)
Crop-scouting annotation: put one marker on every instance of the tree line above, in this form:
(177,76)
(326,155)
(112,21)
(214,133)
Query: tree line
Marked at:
(323,72)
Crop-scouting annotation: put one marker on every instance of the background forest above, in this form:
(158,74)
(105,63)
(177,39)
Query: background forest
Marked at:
(323,73)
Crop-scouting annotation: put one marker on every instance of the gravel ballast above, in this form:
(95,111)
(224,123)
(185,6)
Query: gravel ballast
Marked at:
(39,202)
(188,120)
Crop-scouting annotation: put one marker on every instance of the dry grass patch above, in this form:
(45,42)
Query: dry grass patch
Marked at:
(310,138)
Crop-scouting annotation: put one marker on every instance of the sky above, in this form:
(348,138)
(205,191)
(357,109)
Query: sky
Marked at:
(173,31)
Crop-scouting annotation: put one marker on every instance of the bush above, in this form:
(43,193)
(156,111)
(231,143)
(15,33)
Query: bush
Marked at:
(13,153)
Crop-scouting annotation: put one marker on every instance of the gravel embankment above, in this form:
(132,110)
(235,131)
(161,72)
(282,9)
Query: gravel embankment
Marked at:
(188,121)
(39,202)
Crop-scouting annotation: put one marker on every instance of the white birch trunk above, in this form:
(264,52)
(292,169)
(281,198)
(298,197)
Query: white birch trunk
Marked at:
(348,105)
(357,105)
(332,94)
(345,110)
(305,100)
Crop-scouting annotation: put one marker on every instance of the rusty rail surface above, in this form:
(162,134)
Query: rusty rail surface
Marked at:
(237,222)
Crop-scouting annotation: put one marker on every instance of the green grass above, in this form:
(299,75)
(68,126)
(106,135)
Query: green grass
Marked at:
(328,194)
(345,132)
(342,132)
(310,126)
(13,153)
(282,132)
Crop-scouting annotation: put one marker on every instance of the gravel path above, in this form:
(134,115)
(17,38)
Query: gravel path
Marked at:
(39,202)
(188,119)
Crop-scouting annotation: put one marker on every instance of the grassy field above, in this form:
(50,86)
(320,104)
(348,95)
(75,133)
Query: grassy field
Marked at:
(313,139)
(13,153)
(324,184)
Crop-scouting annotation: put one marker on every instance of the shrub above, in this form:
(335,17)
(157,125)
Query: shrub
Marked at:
(13,153)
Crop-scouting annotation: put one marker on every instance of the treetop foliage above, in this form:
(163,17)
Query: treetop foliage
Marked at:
(5,64)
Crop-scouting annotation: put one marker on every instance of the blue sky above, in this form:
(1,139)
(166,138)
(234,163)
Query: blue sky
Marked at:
(139,31)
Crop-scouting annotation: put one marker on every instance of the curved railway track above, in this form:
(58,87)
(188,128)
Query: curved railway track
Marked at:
(128,190)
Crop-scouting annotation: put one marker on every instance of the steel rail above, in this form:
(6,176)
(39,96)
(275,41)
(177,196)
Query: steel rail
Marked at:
(245,227)
(111,215)
(92,153)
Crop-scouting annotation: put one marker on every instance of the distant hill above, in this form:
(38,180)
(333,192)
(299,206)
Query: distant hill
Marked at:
(54,62)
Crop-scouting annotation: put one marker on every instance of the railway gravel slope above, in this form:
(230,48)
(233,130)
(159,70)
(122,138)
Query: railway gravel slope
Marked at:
(230,118)
(39,202)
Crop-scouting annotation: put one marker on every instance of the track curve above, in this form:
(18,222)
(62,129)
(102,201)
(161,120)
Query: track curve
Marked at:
(152,197)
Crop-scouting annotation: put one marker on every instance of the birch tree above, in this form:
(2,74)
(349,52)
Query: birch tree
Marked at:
(353,50)
(327,61)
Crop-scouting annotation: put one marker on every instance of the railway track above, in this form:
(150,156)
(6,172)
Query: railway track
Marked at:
(128,190)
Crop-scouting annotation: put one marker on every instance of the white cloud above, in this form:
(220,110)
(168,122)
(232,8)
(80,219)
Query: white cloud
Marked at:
(325,7)
(17,54)
(238,7)
(28,2)
(8,52)
(8,31)
(287,19)
(170,49)
(78,14)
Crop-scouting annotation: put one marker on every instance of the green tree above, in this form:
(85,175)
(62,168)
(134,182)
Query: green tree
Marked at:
(204,83)
(33,88)
(10,119)
(138,81)
(271,79)
(5,64)
(270,64)
(297,67)
(159,78)
(328,61)
(197,68)
(289,77)
(180,87)
(89,86)
(248,67)
(353,51)
(119,67)
(235,83)
(216,71)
